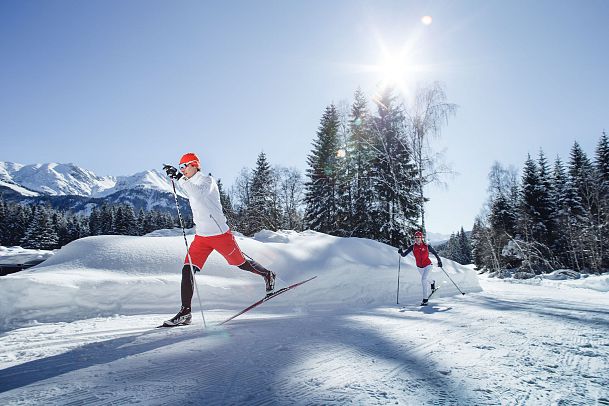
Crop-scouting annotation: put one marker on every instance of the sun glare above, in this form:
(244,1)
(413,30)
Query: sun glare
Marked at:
(426,20)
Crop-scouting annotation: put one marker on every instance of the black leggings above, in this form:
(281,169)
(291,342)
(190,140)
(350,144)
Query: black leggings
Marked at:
(187,285)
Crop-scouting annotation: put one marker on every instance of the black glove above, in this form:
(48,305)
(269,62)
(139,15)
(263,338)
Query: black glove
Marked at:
(401,252)
(439,264)
(172,172)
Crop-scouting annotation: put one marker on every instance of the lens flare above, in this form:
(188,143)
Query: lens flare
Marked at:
(426,20)
(341,153)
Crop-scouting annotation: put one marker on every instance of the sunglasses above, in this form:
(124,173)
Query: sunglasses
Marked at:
(185,165)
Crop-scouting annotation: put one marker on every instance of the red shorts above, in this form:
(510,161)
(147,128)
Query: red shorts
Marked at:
(225,244)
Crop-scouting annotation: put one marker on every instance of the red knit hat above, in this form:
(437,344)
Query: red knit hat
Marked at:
(190,158)
(418,234)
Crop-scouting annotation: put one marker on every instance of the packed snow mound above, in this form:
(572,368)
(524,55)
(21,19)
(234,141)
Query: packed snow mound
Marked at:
(16,255)
(107,275)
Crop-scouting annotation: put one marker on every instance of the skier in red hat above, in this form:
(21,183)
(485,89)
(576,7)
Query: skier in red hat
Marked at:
(421,254)
(212,232)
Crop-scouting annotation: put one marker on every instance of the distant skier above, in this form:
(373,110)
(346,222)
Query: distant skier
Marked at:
(421,254)
(212,232)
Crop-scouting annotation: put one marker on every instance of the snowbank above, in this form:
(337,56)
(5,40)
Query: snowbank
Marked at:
(17,255)
(566,279)
(107,275)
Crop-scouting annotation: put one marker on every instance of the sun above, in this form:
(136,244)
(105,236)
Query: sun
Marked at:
(394,69)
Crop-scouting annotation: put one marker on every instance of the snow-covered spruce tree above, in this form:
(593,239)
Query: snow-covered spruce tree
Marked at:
(601,164)
(534,218)
(465,247)
(344,174)
(567,245)
(95,227)
(18,219)
(480,246)
(141,220)
(125,222)
(261,213)
(396,206)
(59,222)
(451,249)
(106,217)
(76,227)
(320,188)
(360,157)
(40,234)
(425,118)
(585,206)
(227,205)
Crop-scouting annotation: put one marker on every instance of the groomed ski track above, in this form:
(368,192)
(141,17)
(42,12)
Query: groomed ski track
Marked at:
(511,344)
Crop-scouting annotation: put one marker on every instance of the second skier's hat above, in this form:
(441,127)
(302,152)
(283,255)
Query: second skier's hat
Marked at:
(418,234)
(190,158)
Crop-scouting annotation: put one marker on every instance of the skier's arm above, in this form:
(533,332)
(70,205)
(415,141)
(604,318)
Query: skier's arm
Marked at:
(404,253)
(433,251)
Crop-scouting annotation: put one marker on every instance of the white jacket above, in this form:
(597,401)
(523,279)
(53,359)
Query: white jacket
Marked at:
(204,197)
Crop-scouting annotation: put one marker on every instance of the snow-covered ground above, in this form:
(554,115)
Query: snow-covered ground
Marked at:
(79,330)
(16,255)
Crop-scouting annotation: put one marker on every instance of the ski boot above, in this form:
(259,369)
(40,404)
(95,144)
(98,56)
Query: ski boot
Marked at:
(269,281)
(183,318)
(424,302)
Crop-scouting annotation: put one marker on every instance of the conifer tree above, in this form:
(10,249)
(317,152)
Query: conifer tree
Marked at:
(602,180)
(396,206)
(360,156)
(567,243)
(261,212)
(40,234)
(320,189)
(585,205)
(465,248)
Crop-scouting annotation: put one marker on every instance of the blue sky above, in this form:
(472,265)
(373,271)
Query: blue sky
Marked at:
(122,86)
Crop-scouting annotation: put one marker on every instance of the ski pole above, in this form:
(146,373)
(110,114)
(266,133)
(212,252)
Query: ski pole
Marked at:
(398,294)
(452,281)
(192,272)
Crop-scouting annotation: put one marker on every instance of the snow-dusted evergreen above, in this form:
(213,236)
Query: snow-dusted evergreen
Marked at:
(558,220)
(363,177)
(321,186)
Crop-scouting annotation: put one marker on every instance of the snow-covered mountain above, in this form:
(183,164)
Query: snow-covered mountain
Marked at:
(71,187)
(68,179)
(55,179)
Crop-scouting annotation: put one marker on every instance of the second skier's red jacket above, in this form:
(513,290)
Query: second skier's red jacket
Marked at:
(421,254)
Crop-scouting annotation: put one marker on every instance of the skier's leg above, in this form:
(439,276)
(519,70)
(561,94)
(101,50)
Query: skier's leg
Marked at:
(199,250)
(423,277)
(425,281)
(226,245)
(187,285)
